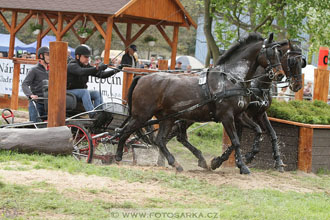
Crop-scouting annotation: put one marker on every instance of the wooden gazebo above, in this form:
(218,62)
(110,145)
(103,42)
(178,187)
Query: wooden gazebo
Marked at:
(60,16)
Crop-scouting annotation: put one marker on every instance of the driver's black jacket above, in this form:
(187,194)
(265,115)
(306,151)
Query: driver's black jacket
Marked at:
(77,75)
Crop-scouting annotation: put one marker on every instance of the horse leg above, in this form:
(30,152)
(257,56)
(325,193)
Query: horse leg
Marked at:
(279,165)
(183,139)
(248,122)
(165,128)
(126,132)
(228,124)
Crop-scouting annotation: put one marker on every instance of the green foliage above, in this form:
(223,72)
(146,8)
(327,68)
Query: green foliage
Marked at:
(315,112)
(149,38)
(35,26)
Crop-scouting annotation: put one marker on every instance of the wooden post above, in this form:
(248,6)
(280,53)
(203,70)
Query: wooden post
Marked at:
(174,46)
(12,34)
(108,38)
(321,76)
(15,88)
(300,94)
(321,84)
(57,83)
(163,64)
(226,142)
(305,149)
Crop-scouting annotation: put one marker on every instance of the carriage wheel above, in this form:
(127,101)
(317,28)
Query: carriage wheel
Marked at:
(82,143)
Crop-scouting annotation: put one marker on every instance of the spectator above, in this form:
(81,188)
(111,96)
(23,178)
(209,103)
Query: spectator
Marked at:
(32,84)
(178,65)
(70,58)
(308,90)
(188,69)
(97,60)
(283,94)
(128,58)
(78,72)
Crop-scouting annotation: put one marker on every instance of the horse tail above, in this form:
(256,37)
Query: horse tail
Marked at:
(130,93)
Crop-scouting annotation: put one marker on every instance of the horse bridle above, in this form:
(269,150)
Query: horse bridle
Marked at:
(264,49)
(291,61)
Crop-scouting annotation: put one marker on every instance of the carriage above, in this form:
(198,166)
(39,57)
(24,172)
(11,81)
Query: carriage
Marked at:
(94,139)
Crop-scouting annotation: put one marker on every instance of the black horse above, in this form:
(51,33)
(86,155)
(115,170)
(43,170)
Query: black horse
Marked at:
(171,97)
(292,62)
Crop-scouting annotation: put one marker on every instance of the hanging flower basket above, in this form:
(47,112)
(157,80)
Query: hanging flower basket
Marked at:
(35,28)
(150,40)
(84,32)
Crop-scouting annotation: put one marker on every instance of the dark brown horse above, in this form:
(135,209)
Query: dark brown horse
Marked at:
(171,97)
(292,62)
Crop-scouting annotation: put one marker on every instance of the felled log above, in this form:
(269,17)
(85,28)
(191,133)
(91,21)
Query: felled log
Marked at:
(54,140)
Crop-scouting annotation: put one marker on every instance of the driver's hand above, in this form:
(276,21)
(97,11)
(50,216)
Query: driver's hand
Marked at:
(34,96)
(102,66)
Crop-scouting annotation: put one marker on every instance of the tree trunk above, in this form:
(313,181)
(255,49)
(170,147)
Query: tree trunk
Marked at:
(55,140)
(212,46)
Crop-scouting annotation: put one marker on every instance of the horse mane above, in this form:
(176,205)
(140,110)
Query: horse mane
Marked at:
(252,37)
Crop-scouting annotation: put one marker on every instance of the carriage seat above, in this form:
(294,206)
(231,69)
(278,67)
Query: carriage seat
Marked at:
(71,99)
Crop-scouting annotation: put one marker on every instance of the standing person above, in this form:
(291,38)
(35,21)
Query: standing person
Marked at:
(178,65)
(308,90)
(70,58)
(32,84)
(128,58)
(77,77)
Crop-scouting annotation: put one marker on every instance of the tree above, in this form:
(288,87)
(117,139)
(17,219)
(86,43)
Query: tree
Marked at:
(288,19)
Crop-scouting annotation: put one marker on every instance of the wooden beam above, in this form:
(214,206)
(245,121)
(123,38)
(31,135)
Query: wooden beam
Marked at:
(108,39)
(97,25)
(138,34)
(5,22)
(174,46)
(70,24)
(21,24)
(300,94)
(50,23)
(128,34)
(15,88)
(39,37)
(59,27)
(161,30)
(44,33)
(118,32)
(305,149)
(12,34)
(57,83)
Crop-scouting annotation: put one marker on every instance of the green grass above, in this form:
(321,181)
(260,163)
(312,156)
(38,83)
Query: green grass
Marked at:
(39,199)
(207,137)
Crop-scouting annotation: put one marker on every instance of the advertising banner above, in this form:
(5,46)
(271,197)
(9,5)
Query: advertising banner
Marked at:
(111,88)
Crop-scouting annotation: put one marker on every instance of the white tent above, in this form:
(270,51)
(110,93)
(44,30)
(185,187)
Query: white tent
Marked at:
(188,60)
(308,71)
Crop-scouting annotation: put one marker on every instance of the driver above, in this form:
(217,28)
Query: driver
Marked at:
(32,84)
(79,70)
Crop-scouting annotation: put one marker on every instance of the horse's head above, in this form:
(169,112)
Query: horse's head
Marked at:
(292,62)
(269,58)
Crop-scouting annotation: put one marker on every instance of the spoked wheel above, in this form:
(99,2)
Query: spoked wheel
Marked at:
(82,143)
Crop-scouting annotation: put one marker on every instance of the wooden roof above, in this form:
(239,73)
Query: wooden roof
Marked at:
(77,6)
(146,11)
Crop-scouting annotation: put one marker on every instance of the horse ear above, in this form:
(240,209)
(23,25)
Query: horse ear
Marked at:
(270,38)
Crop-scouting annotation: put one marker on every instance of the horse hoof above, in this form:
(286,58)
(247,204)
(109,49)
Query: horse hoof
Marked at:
(118,157)
(178,167)
(203,164)
(215,163)
(280,169)
(245,170)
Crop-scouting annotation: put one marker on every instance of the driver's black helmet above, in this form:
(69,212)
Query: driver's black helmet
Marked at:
(42,50)
(83,50)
